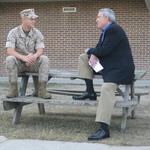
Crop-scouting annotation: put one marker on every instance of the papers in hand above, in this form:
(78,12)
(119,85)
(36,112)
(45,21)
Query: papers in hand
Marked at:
(97,67)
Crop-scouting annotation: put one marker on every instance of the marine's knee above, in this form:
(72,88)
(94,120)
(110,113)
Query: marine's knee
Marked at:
(44,59)
(10,61)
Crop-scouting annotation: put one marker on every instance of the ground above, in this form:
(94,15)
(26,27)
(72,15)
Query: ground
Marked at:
(74,123)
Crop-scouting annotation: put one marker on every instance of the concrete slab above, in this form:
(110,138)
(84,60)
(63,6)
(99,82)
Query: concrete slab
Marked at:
(57,145)
(2,139)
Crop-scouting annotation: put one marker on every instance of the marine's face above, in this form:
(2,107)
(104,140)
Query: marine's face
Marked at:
(29,22)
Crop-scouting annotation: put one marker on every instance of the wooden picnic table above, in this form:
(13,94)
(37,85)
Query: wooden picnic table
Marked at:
(129,98)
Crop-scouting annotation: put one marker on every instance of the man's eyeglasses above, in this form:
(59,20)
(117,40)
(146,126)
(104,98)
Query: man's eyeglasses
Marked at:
(99,17)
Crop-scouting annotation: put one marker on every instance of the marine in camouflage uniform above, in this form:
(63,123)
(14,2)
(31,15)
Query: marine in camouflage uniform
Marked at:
(25,47)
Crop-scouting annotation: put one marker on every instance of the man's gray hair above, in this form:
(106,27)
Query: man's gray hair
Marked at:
(107,12)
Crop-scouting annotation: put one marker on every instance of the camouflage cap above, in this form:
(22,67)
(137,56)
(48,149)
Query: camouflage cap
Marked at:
(29,13)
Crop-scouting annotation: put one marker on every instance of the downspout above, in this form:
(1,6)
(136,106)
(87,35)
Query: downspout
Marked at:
(148,4)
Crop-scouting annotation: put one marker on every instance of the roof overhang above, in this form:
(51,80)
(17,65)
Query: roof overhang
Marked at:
(12,1)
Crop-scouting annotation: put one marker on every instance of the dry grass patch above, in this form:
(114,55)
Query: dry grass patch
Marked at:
(70,123)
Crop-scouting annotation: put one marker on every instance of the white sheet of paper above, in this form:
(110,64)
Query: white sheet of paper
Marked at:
(97,67)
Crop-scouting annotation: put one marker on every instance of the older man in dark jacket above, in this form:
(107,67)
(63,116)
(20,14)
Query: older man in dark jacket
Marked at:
(114,53)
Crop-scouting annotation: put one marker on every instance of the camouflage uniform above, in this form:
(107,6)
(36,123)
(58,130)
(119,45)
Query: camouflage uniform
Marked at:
(24,45)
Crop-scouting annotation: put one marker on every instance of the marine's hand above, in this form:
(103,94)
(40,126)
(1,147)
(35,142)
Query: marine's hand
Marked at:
(29,59)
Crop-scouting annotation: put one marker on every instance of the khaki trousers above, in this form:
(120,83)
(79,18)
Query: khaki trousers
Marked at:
(106,103)
(85,71)
(107,98)
(15,66)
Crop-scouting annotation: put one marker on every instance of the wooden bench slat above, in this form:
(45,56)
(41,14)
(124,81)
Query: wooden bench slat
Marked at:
(74,74)
(54,101)
(77,92)
(123,104)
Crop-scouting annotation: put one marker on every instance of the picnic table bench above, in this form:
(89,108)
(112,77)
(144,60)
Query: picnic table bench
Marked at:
(129,98)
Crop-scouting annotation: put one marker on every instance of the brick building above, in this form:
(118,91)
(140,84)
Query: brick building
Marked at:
(67,34)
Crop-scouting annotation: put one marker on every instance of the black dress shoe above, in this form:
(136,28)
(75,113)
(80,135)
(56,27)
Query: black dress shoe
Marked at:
(86,95)
(99,135)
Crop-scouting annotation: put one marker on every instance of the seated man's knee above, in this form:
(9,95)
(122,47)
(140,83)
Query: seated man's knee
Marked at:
(10,61)
(83,56)
(10,58)
(107,87)
(44,59)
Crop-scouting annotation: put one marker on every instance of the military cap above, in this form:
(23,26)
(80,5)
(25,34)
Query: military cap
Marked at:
(29,13)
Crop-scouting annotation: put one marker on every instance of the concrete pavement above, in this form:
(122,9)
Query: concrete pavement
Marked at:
(26,144)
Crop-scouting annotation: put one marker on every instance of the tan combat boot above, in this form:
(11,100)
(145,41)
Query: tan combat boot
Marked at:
(42,91)
(13,90)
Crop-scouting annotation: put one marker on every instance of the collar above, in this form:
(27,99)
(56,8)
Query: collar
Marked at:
(23,34)
(106,26)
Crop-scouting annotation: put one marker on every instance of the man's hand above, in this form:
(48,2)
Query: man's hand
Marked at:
(92,61)
(30,59)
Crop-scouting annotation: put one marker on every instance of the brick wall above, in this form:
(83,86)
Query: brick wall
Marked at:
(68,34)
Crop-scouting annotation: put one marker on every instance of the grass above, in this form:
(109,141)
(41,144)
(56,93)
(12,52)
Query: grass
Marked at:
(72,123)
(50,126)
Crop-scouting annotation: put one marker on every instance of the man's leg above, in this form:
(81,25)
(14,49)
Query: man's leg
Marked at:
(104,111)
(43,77)
(42,67)
(11,65)
(86,73)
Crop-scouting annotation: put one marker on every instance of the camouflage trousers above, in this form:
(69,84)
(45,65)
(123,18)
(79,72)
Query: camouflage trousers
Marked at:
(15,66)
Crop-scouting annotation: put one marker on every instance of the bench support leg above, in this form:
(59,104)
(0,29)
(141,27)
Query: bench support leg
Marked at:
(19,106)
(133,111)
(133,114)
(23,85)
(17,114)
(41,108)
(124,119)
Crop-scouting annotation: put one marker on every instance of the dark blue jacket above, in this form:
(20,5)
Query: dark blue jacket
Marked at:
(115,56)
